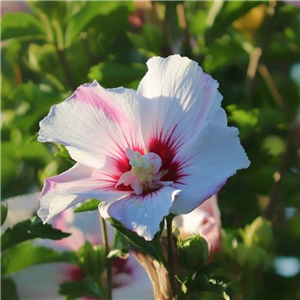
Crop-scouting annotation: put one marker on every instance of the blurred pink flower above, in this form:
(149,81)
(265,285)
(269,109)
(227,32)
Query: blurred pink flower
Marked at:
(14,6)
(204,220)
(42,281)
(162,149)
(293,2)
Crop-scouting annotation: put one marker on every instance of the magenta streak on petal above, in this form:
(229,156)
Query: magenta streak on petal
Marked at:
(97,97)
(48,186)
(120,159)
(167,146)
(133,144)
(75,274)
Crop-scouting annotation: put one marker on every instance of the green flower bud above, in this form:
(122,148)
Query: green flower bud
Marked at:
(260,233)
(250,258)
(193,253)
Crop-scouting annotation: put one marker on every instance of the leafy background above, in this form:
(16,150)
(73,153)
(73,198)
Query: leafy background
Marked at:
(251,47)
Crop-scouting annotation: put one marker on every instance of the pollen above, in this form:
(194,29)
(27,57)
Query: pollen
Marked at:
(145,172)
(142,168)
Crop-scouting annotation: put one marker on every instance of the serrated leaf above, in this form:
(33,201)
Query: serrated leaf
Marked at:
(75,289)
(199,284)
(19,24)
(151,248)
(26,254)
(221,280)
(90,205)
(9,289)
(27,230)
(92,260)
(120,248)
(203,283)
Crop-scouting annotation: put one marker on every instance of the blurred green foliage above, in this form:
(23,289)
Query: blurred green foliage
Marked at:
(250,47)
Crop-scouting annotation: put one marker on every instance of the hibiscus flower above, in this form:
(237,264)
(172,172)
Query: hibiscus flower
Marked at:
(162,149)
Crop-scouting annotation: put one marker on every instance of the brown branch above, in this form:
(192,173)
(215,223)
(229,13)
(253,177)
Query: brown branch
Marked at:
(263,70)
(258,51)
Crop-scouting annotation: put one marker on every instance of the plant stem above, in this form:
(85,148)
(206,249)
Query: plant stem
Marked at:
(108,263)
(66,67)
(169,220)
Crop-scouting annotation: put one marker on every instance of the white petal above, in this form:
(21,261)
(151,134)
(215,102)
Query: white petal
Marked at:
(176,97)
(76,185)
(207,161)
(142,213)
(94,123)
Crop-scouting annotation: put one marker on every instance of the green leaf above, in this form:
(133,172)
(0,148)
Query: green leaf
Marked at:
(91,10)
(223,13)
(26,254)
(4,210)
(210,268)
(46,231)
(19,24)
(121,245)
(92,260)
(90,205)
(112,74)
(30,229)
(150,41)
(151,248)
(221,290)
(75,289)
(199,284)
(9,289)
(217,285)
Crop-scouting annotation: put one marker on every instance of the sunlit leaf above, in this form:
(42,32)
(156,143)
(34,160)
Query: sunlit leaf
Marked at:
(92,260)
(86,15)
(26,254)
(274,145)
(151,248)
(90,205)
(19,24)
(223,13)
(120,247)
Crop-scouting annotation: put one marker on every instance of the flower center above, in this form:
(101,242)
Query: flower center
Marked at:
(143,168)
(144,174)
